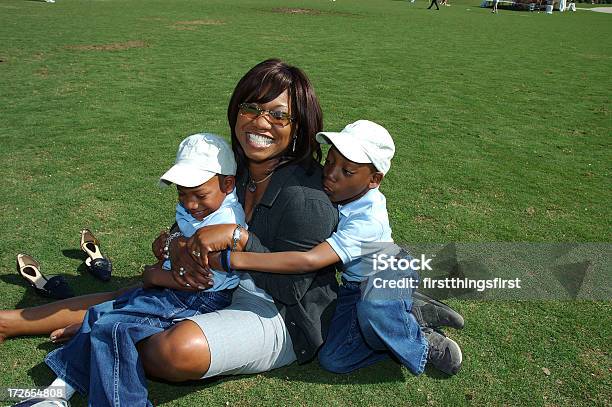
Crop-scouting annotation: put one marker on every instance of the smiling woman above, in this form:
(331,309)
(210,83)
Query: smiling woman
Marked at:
(274,116)
(280,88)
(259,135)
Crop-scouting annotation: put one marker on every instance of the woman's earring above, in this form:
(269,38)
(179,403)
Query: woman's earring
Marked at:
(294,140)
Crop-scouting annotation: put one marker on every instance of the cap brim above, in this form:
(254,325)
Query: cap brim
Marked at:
(347,147)
(185,176)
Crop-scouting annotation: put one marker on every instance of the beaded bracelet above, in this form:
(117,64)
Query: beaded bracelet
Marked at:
(169,240)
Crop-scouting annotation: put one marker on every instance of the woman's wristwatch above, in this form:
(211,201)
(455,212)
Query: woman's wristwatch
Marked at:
(236,237)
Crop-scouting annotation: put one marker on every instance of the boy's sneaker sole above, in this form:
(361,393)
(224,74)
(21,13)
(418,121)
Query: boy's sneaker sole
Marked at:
(444,353)
(432,313)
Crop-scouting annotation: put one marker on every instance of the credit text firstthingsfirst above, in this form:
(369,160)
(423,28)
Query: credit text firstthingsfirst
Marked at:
(447,283)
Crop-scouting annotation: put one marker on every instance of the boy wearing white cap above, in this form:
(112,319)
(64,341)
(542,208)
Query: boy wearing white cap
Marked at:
(364,329)
(204,174)
(101,360)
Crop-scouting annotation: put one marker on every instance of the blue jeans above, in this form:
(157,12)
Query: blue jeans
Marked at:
(101,360)
(366,330)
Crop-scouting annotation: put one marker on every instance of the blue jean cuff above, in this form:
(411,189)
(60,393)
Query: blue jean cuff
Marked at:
(423,360)
(61,373)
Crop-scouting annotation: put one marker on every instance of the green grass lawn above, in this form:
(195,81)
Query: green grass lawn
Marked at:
(502,125)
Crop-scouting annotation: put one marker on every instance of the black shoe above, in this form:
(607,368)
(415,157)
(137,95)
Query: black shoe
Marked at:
(55,287)
(99,266)
(431,313)
(444,353)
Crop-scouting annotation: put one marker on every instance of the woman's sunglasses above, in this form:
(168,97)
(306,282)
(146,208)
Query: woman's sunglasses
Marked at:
(274,117)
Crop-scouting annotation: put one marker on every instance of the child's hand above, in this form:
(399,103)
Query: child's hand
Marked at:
(149,275)
(214,261)
(158,245)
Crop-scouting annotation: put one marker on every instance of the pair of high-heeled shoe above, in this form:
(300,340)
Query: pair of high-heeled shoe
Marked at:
(57,286)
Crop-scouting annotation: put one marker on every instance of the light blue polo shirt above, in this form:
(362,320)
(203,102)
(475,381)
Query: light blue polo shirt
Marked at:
(362,224)
(230,212)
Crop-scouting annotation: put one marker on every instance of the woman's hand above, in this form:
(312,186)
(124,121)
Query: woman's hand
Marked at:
(158,245)
(187,273)
(214,238)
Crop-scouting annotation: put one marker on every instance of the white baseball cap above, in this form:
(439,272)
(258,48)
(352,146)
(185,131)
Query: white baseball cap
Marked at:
(199,158)
(362,142)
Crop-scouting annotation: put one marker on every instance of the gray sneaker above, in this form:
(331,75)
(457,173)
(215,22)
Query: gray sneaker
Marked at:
(444,353)
(431,313)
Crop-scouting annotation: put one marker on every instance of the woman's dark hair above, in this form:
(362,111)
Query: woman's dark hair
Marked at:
(263,83)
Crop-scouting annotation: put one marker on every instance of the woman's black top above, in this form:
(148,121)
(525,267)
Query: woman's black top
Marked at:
(294,214)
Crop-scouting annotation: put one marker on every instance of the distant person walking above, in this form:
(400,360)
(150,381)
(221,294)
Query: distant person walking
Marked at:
(432,3)
(495,2)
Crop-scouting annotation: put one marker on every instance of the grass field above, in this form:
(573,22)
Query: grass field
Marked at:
(503,131)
